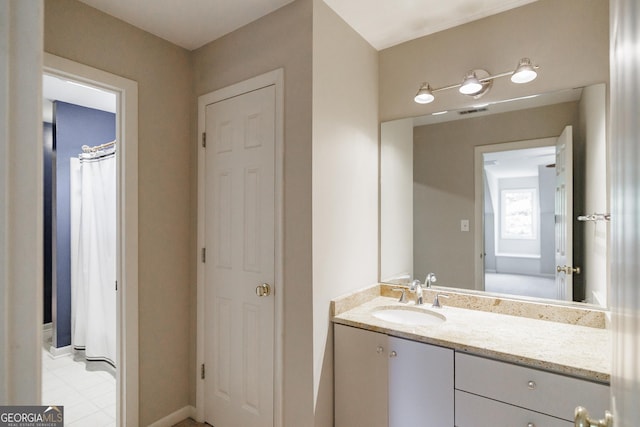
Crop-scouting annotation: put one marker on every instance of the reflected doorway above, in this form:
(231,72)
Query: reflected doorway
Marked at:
(518,217)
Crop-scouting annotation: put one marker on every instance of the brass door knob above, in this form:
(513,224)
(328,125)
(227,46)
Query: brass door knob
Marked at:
(263,290)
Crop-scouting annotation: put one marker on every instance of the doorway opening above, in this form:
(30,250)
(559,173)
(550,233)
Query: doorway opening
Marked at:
(90,353)
(520,187)
(79,336)
(519,193)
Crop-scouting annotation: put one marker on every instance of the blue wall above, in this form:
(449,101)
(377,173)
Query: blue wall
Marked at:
(48,190)
(74,126)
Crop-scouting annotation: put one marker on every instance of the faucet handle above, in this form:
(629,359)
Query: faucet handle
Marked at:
(403,296)
(431,278)
(436,300)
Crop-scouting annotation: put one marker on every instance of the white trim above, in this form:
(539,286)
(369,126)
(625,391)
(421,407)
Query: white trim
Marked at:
(57,352)
(508,255)
(276,78)
(175,417)
(47,331)
(127,133)
(479,198)
(21,238)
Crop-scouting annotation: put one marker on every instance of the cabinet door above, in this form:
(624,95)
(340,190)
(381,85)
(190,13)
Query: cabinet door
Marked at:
(420,384)
(360,375)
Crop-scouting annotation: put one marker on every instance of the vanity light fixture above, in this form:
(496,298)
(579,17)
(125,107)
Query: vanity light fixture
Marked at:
(470,85)
(424,95)
(478,82)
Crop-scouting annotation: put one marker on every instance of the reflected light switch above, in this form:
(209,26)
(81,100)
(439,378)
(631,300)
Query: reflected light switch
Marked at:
(464,225)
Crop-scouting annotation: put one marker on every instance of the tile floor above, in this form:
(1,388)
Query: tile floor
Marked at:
(88,393)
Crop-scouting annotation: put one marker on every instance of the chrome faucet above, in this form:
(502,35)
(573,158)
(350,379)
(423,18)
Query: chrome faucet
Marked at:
(431,278)
(416,287)
(403,296)
(436,300)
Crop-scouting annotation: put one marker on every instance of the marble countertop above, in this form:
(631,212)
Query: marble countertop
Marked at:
(569,349)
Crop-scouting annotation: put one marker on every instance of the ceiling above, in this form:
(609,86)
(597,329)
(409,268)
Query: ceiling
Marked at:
(383,23)
(503,106)
(519,163)
(57,89)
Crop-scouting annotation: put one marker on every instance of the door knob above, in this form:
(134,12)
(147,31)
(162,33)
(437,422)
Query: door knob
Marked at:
(568,269)
(582,419)
(263,290)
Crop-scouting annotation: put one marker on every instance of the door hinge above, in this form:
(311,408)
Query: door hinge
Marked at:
(204,139)
(204,255)
(116,285)
(202,371)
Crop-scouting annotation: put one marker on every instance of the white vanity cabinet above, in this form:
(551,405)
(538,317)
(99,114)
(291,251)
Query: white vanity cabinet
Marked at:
(385,381)
(491,393)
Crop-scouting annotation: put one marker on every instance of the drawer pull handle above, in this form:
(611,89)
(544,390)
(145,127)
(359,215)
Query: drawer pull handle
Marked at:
(531,385)
(393,354)
(380,349)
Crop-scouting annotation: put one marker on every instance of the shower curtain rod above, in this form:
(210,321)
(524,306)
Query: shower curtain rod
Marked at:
(87,149)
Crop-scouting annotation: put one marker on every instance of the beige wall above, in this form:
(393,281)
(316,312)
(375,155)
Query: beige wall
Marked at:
(345,182)
(568,39)
(281,39)
(444,183)
(163,72)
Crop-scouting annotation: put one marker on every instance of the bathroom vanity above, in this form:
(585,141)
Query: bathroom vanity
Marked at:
(497,364)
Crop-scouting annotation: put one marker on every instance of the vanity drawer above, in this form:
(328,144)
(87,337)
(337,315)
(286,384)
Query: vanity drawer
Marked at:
(476,411)
(541,391)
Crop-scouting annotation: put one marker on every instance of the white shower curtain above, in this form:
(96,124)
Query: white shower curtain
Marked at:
(93,255)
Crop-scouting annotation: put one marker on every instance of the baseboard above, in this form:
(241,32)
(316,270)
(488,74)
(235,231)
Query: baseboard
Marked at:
(60,351)
(47,331)
(175,417)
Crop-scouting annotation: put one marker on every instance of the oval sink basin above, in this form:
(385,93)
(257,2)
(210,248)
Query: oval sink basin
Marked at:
(409,316)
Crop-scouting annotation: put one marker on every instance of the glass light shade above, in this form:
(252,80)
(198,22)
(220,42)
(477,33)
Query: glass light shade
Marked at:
(471,85)
(525,72)
(424,95)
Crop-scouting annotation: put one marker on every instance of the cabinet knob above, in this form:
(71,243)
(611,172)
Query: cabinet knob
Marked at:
(531,425)
(380,349)
(393,354)
(531,385)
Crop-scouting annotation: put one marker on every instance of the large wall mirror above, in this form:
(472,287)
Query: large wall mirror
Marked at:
(507,195)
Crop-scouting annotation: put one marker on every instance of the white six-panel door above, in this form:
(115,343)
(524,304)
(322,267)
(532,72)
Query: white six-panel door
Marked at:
(564,214)
(240,260)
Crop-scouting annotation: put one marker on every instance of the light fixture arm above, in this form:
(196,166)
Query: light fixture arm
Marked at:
(482,80)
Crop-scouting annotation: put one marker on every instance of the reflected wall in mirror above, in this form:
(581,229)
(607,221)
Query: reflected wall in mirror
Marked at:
(427,178)
(476,199)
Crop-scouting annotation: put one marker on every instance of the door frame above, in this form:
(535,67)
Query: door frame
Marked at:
(272,78)
(127,385)
(478,163)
